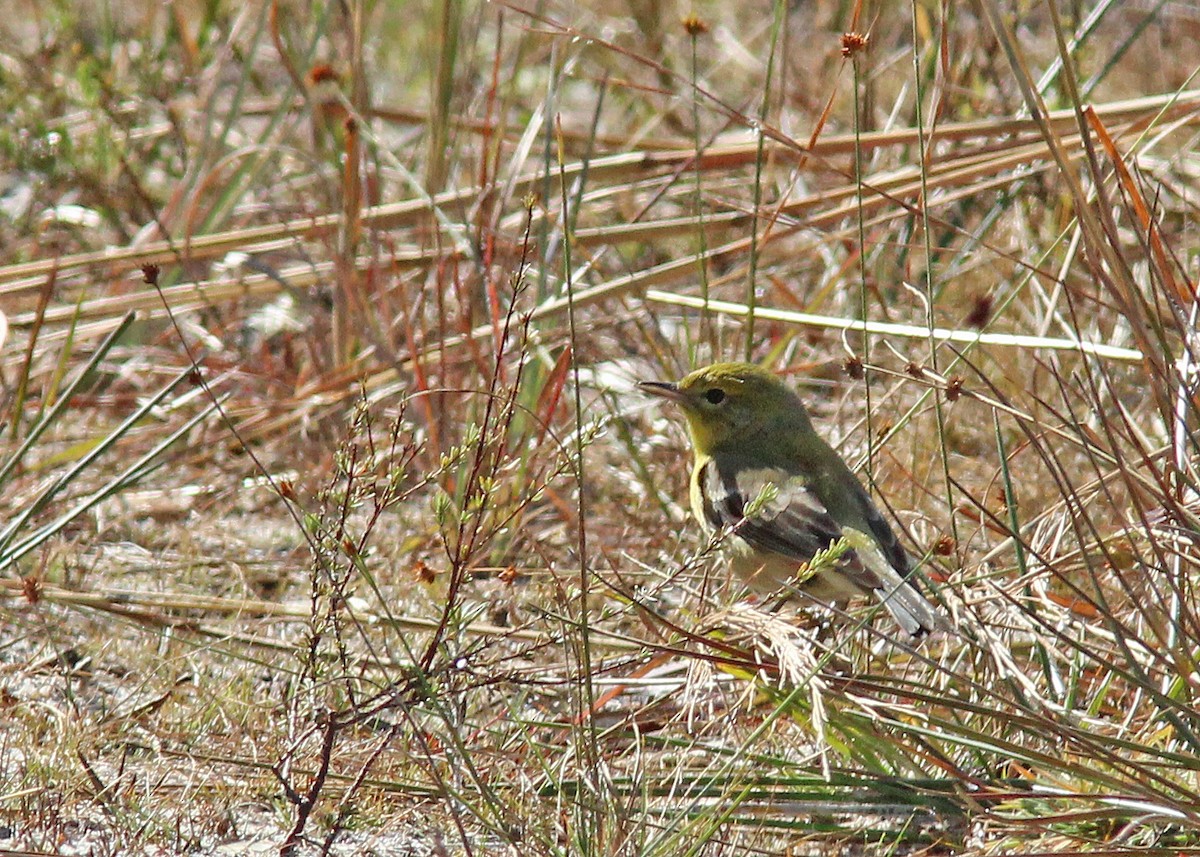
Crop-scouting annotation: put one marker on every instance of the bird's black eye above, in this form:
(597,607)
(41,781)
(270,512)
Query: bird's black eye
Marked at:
(715,396)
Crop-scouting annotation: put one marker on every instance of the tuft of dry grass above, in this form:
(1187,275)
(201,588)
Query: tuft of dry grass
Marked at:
(331,521)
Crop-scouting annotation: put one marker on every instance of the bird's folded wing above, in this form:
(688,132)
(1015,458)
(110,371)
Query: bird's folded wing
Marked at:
(793,523)
(885,538)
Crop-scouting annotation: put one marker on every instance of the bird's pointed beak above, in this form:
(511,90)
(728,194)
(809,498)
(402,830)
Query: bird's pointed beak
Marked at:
(662,389)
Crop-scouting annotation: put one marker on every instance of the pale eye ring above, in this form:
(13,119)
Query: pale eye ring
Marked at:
(715,396)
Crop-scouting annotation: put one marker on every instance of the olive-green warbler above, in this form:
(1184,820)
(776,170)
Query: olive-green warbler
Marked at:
(755,447)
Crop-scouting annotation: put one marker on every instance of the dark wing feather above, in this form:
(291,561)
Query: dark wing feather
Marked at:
(794,523)
(889,545)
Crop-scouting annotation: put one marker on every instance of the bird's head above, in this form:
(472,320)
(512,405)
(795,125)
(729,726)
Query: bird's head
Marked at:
(727,404)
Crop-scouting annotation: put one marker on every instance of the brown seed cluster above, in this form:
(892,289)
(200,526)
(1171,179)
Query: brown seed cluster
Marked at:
(981,311)
(424,573)
(323,73)
(854,43)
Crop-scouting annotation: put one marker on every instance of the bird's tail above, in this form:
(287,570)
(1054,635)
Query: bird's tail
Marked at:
(912,609)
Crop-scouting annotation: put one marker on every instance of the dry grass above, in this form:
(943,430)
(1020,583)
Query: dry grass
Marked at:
(355,536)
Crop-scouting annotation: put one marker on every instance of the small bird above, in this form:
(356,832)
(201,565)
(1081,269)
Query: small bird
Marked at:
(754,445)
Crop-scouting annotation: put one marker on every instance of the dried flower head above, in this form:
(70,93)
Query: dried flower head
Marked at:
(981,311)
(423,573)
(854,43)
(323,73)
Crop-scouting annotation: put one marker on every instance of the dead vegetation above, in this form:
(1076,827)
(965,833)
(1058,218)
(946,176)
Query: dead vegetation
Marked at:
(330,520)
